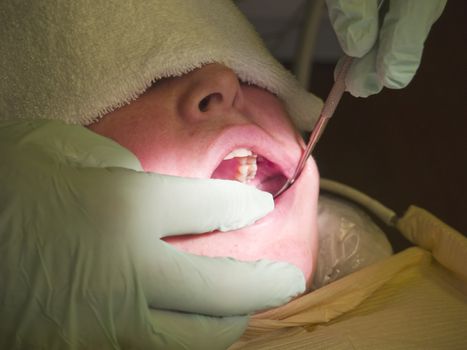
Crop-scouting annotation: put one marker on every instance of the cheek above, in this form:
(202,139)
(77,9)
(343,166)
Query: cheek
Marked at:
(155,141)
(160,150)
(267,111)
(166,147)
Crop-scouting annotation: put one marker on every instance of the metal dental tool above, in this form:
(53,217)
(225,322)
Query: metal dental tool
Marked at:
(329,107)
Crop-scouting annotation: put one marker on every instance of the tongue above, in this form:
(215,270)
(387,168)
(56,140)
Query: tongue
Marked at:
(268,177)
(227,170)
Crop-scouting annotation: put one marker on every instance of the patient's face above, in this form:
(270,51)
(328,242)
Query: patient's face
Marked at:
(189,126)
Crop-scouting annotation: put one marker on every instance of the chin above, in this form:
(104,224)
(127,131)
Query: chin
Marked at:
(289,233)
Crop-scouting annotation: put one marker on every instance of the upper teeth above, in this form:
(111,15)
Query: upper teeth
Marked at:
(239,152)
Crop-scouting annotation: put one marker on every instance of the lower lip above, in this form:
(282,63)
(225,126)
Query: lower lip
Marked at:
(283,201)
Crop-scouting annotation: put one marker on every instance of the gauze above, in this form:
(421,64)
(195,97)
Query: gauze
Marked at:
(78,60)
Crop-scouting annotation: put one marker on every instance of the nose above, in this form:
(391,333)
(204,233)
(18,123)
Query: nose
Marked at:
(210,92)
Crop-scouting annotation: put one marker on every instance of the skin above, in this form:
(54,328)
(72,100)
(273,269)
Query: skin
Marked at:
(185,126)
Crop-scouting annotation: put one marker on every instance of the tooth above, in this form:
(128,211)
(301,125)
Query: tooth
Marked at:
(246,169)
(251,159)
(243,169)
(241,177)
(252,171)
(246,164)
(251,174)
(239,152)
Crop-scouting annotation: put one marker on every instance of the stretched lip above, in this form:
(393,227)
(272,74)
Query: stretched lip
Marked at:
(284,154)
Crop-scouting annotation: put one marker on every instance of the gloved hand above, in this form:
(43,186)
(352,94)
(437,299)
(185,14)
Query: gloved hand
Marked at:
(387,56)
(82,263)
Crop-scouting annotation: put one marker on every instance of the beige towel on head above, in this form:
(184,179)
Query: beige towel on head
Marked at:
(77,60)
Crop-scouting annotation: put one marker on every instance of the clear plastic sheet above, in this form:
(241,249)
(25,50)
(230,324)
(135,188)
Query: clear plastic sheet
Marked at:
(348,240)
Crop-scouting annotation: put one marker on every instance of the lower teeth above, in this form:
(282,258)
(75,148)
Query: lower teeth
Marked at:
(247,167)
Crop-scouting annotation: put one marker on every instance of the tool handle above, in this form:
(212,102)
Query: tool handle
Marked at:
(327,111)
(337,89)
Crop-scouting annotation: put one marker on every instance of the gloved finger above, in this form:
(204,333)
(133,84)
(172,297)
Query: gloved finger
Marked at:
(214,286)
(404,31)
(162,205)
(70,144)
(190,331)
(362,79)
(355,23)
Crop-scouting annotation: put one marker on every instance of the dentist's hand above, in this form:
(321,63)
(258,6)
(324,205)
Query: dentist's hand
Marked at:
(387,55)
(82,263)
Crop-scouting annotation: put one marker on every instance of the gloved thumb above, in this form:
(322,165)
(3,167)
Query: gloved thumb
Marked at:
(162,205)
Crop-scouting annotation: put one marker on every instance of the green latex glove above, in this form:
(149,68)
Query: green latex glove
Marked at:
(387,55)
(82,265)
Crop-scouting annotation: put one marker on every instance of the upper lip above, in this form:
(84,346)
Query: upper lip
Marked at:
(286,156)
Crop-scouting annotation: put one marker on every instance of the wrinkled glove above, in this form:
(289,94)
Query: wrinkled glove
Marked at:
(388,55)
(82,263)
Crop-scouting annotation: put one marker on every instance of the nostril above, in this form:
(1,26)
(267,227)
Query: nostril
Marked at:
(204,104)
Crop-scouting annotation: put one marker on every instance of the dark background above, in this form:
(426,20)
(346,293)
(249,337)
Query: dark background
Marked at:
(407,146)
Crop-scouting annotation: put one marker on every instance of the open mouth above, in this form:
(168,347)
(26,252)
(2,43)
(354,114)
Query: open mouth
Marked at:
(253,169)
